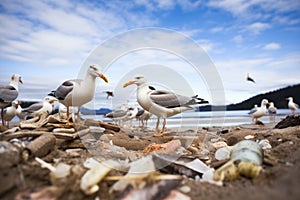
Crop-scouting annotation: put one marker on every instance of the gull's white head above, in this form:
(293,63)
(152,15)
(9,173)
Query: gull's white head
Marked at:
(50,99)
(96,71)
(264,102)
(289,99)
(271,104)
(137,79)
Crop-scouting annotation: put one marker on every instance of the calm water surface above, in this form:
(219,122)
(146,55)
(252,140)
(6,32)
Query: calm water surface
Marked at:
(203,119)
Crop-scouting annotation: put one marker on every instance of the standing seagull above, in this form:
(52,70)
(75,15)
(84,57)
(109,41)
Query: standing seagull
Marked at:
(37,109)
(248,78)
(161,103)
(9,93)
(272,110)
(78,92)
(261,111)
(10,112)
(292,106)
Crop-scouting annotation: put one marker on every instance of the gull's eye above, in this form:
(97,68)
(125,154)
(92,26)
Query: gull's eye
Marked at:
(93,68)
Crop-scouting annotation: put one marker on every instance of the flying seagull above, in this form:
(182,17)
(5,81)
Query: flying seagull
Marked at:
(109,94)
(248,78)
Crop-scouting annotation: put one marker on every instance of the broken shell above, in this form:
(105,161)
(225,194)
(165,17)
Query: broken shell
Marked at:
(93,176)
(219,144)
(249,170)
(227,172)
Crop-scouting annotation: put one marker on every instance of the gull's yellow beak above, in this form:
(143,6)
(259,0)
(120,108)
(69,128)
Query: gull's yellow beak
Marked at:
(103,77)
(52,100)
(128,83)
(287,99)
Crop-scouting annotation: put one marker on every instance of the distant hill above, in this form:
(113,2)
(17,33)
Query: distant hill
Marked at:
(100,111)
(277,96)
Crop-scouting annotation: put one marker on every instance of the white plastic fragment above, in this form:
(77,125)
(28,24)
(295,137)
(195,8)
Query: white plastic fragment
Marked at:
(62,170)
(198,166)
(140,168)
(63,130)
(45,164)
(89,181)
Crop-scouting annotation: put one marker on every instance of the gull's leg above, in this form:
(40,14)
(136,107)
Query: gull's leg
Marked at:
(2,117)
(68,117)
(157,124)
(78,115)
(162,132)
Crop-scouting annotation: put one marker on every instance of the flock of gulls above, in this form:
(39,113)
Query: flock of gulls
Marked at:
(77,92)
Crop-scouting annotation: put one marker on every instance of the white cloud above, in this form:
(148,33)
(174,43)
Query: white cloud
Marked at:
(272,46)
(257,27)
(238,39)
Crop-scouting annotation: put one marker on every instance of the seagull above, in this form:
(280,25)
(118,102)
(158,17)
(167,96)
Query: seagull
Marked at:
(37,109)
(161,103)
(272,109)
(253,110)
(261,111)
(109,94)
(19,112)
(10,112)
(78,92)
(248,78)
(118,115)
(143,116)
(292,106)
(9,93)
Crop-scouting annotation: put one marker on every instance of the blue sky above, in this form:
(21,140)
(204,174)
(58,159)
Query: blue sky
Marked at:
(47,42)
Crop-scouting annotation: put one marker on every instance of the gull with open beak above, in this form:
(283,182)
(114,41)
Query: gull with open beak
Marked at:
(9,93)
(161,103)
(78,92)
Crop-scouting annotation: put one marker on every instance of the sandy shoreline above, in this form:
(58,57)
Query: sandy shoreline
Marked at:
(278,180)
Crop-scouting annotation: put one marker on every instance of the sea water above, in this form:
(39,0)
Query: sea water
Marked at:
(204,119)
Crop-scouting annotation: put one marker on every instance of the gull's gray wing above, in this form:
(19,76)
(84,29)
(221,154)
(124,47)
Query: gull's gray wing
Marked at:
(8,93)
(34,107)
(65,88)
(253,110)
(116,113)
(171,100)
(272,110)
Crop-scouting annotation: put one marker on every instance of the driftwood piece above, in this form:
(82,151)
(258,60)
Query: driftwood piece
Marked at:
(91,122)
(40,146)
(66,136)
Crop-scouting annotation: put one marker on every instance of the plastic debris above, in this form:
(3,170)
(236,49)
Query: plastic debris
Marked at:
(89,181)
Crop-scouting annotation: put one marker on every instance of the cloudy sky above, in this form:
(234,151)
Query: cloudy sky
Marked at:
(47,42)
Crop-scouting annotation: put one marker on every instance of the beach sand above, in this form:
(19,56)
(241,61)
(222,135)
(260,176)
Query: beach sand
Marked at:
(279,179)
